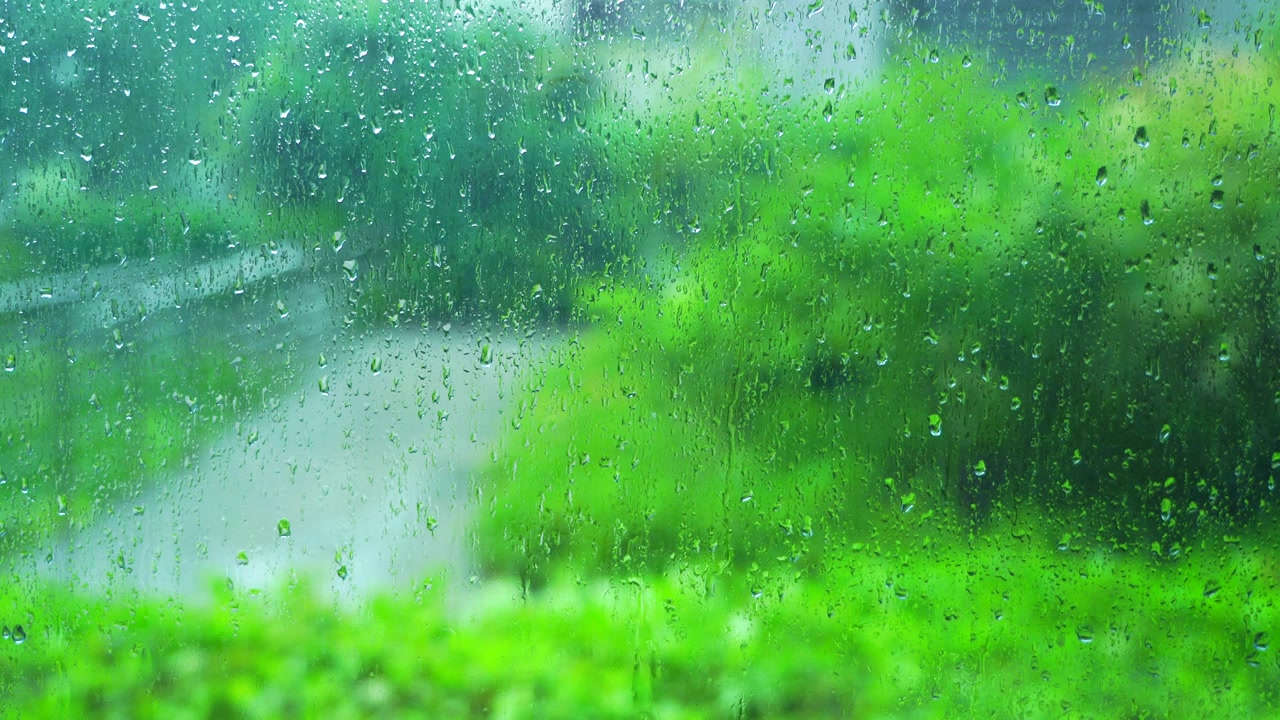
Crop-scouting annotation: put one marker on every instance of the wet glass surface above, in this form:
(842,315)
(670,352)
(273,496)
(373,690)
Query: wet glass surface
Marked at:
(583,359)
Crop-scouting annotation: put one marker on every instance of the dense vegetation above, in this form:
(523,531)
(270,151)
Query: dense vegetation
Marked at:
(985,629)
(949,391)
(968,299)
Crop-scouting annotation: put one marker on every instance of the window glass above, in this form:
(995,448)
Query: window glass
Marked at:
(572,358)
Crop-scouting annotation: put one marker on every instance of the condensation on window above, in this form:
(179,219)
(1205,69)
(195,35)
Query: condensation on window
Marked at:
(578,358)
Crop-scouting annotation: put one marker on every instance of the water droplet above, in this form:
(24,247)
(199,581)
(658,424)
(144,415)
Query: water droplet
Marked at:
(935,425)
(375,364)
(283,528)
(242,558)
(338,240)
(1165,430)
(1224,352)
(933,56)
(324,385)
(1166,509)
(1101,177)
(748,496)
(1145,209)
(349,267)
(281,309)
(486,354)
(10,362)
(1085,635)
(1261,642)
(1022,99)
(1140,137)
(882,357)
(908,502)
(829,85)
(966,62)
(18,634)
(980,470)
(1216,199)
(1051,97)
(342,572)
(432,523)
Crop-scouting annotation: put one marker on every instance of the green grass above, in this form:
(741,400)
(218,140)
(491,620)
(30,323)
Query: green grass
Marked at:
(995,628)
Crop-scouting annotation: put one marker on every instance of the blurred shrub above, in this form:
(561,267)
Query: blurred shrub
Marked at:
(944,295)
(979,629)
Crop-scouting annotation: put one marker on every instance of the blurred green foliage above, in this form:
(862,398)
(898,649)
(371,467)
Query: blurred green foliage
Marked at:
(945,293)
(847,363)
(987,629)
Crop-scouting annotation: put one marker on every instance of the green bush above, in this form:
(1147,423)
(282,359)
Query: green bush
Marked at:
(940,302)
(987,628)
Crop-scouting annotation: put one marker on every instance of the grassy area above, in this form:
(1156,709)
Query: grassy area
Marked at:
(998,628)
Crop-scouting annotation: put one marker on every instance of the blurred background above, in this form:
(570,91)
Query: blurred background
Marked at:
(752,300)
